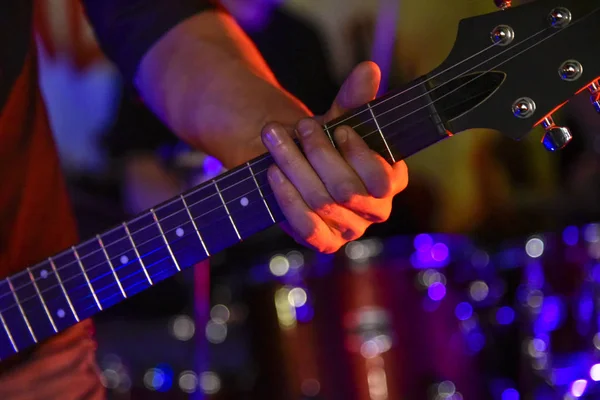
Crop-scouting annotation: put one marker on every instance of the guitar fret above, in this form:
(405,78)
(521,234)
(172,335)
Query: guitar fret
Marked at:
(37,290)
(60,282)
(12,289)
(227,210)
(162,233)
(381,133)
(326,129)
(194,224)
(260,192)
(86,277)
(110,264)
(137,253)
(10,336)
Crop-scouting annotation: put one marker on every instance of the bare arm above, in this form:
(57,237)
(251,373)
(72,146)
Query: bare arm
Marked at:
(209,84)
(202,76)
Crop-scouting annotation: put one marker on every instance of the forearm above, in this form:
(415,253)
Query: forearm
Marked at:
(209,84)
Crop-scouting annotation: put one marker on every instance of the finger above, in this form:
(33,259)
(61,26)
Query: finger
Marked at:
(304,225)
(339,178)
(359,88)
(343,184)
(378,176)
(295,166)
(400,173)
(311,190)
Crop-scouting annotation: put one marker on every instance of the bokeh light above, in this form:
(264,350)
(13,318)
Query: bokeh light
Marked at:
(505,315)
(183,327)
(578,387)
(570,235)
(436,291)
(478,290)
(210,383)
(510,394)
(534,247)
(279,265)
(595,372)
(463,311)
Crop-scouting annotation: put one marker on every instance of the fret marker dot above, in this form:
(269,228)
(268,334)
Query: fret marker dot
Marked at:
(244,201)
(124,259)
(179,232)
(60,313)
(44,274)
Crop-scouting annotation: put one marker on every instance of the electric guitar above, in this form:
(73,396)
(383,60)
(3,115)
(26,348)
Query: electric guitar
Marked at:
(508,71)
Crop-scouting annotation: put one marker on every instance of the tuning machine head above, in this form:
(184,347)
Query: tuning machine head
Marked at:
(556,137)
(594,89)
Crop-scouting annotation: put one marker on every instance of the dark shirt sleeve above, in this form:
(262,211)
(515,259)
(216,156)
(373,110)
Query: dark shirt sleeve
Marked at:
(126,29)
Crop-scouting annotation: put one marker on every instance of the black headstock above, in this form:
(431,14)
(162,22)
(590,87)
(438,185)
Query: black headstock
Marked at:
(511,69)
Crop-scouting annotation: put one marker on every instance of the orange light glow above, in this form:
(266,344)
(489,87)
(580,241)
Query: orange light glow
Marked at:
(449,133)
(550,113)
(588,85)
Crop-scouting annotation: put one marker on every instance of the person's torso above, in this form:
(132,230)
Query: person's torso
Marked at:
(35,219)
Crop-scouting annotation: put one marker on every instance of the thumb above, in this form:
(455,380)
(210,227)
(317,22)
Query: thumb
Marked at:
(359,88)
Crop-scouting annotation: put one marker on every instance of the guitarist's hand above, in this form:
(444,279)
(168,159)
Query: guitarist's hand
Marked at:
(328,197)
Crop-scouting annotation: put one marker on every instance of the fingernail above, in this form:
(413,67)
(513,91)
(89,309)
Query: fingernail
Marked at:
(306,127)
(273,136)
(341,135)
(276,175)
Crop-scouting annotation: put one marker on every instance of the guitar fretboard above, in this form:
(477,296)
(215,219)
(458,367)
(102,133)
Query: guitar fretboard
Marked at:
(102,271)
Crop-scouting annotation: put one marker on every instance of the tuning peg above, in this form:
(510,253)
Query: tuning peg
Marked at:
(594,89)
(556,137)
(503,4)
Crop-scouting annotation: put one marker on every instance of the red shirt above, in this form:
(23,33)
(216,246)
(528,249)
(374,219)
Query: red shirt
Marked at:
(35,216)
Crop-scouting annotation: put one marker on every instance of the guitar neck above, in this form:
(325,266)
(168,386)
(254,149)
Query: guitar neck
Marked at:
(81,281)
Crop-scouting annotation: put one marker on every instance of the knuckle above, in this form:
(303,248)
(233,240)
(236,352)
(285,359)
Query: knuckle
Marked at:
(344,192)
(381,213)
(309,233)
(320,202)
(381,216)
(382,186)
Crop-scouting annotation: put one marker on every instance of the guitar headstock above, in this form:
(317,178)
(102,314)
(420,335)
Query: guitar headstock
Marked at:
(512,69)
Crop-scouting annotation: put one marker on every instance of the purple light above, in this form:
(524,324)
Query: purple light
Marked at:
(439,252)
(571,235)
(510,394)
(586,307)
(476,341)
(535,275)
(463,311)
(595,372)
(212,166)
(551,315)
(505,315)
(578,387)
(304,313)
(596,273)
(436,291)
(539,345)
(165,378)
(423,242)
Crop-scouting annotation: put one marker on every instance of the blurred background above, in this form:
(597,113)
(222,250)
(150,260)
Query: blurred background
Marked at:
(490,306)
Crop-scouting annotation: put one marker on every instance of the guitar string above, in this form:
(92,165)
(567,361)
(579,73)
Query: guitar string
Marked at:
(220,207)
(333,126)
(431,102)
(443,84)
(147,254)
(260,172)
(365,136)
